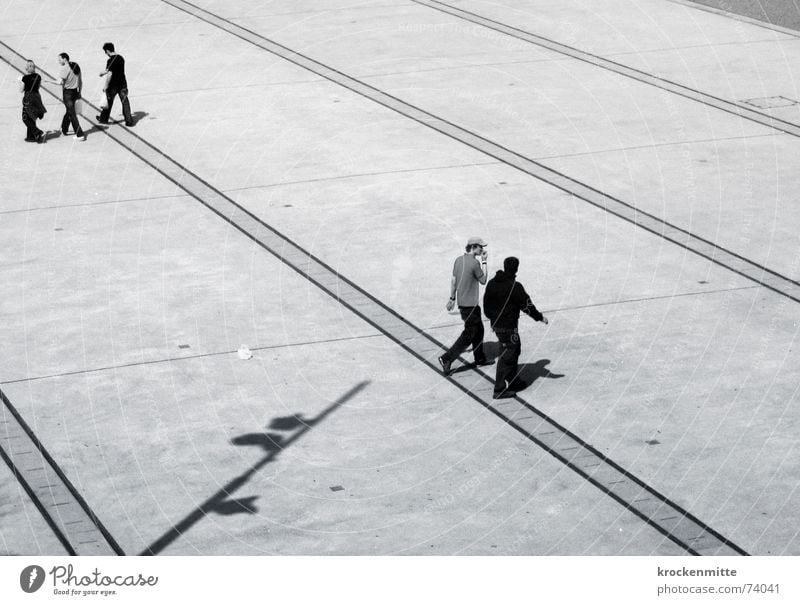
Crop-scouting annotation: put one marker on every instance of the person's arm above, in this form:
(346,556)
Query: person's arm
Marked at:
(489,304)
(59,81)
(452,302)
(485,276)
(526,304)
(21,86)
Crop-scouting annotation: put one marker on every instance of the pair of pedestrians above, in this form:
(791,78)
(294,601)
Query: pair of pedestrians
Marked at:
(504,299)
(33,108)
(70,78)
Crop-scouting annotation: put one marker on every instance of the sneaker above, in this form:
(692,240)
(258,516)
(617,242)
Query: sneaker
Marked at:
(80,137)
(445,366)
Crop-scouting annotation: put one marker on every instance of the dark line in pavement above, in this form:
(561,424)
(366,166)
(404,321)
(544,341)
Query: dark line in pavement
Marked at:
(65,492)
(37,502)
(287,345)
(135,364)
(618,68)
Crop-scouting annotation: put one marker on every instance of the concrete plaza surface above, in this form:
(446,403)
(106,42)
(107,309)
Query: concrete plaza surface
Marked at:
(135,266)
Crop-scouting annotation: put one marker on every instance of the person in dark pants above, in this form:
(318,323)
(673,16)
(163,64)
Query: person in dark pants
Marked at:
(468,273)
(32,107)
(72,83)
(115,85)
(503,300)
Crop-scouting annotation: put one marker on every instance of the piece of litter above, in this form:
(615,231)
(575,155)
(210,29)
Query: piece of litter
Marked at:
(337,488)
(244,352)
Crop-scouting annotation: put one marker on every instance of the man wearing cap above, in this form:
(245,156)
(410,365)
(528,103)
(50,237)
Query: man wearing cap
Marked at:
(468,273)
(503,300)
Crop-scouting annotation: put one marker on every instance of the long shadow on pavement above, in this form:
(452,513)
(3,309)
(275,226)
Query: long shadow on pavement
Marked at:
(273,444)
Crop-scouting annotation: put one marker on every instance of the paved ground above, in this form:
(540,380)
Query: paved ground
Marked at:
(784,13)
(299,180)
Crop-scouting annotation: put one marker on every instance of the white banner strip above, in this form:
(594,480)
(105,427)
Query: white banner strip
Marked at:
(399,580)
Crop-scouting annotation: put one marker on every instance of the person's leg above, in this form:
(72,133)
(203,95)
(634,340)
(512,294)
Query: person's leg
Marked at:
(70,100)
(507,361)
(464,339)
(126,107)
(31,132)
(105,112)
(65,119)
(474,325)
(461,343)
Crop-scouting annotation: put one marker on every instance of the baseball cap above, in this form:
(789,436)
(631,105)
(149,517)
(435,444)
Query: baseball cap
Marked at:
(476,241)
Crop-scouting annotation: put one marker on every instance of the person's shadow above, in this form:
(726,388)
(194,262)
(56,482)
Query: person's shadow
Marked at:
(530,372)
(136,117)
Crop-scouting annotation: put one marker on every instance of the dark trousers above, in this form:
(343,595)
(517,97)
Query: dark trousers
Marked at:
(71,97)
(507,361)
(30,124)
(126,105)
(471,335)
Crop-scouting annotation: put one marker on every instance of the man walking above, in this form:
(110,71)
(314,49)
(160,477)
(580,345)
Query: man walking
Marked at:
(72,83)
(468,273)
(115,84)
(503,300)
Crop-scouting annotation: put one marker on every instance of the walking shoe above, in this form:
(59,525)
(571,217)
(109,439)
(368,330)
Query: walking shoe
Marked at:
(101,120)
(80,137)
(483,362)
(445,366)
(129,124)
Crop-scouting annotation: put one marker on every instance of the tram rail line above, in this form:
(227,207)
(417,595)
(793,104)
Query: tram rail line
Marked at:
(652,507)
(65,511)
(732,107)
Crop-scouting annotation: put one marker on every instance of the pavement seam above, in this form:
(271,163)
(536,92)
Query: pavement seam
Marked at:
(178,195)
(429,329)
(638,75)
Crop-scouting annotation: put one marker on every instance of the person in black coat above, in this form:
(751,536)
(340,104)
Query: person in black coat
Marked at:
(503,301)
(32,106)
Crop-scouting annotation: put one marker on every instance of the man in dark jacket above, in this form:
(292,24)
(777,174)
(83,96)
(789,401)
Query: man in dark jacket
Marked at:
(503,300)
(116,84)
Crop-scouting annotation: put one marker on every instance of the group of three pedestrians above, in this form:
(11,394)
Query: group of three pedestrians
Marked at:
(70,79)
(504,299)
